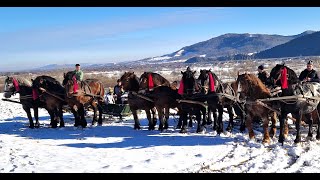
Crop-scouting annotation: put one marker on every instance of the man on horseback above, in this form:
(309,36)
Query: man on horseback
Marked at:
(309,74)
(78,73)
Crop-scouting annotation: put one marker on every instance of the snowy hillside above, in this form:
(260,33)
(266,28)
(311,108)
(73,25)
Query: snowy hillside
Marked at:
(116,147)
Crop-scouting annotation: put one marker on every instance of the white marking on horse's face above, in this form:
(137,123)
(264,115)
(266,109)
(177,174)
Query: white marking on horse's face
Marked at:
(5,86)
(239,90)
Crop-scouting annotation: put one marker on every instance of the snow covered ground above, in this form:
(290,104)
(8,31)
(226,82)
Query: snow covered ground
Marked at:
(116,147)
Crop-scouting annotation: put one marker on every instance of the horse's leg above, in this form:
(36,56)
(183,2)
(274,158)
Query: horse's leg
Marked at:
(100,112)
(166,115)
(82,116)
(209,116)
(190,124)
(179,125)
(310,122)
(230,124)
(200,125)
(36,116)
(136,120)
(94,107)
(204,114)
(76,117)
(184,117)
(27,110)
(54,123)
(298,124)
(242,116)
(215,117)
(161,118)
(248,122)
(265,120)
(154,118)
(273,128)
(151,124)
(220,123)
(282,119)
(61,116)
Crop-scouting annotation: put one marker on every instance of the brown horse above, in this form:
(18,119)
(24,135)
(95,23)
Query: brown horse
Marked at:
(82,94)
(164,97)
(150,80)
(250,88)
(130,82)
(52,93)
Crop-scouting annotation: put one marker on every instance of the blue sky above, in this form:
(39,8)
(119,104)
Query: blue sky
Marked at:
(33,37)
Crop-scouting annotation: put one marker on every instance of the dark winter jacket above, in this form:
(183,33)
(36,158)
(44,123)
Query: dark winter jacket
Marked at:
(310,74)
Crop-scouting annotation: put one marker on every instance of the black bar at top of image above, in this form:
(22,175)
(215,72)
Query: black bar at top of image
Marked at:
(158,3)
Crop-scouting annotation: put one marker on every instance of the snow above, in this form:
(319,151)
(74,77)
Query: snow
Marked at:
(116,147)
(203,55)
(179,53)
(159,58)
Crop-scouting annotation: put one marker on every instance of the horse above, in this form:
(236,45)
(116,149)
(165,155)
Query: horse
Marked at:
(149,80)
(250,88)
(189,90)
(211,85)
(164,97)
(28,97)
(82,94)
(53,94)
(291,86)
(130,82)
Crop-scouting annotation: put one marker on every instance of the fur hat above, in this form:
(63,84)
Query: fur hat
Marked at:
(310,62)
(261,67)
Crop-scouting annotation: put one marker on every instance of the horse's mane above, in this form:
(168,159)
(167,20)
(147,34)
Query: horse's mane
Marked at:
(255,81)
(24,82)
(52,82)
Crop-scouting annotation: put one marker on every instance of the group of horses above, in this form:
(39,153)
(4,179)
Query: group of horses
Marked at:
(202,97)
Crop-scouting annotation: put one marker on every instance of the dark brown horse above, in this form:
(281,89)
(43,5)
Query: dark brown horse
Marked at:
(130,82)
(250,88)
(290,85)
(52,93)
(164,97)
(82,94)
(23,87)
(211,85)
(189,90)
(150,80)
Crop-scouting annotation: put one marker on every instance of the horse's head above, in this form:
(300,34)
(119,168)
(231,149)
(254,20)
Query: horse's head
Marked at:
(143,81)
(67,76)
(39,82)
(129,81)
(9,88)
(204,80)
(243,89)
(189,82)
(280,72)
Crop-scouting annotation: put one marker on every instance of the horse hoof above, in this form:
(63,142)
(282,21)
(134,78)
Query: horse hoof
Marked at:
(318,137)
(183,131)
(31,127)
(136,128)
(61,126)
(297,141)
(99,124)
(209,122)
(229,129)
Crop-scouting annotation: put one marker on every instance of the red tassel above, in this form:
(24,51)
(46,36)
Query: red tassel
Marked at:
(181,87)
(35,94)
(211,81)
(75,84)
(284,80)
(150,83)
(16,85)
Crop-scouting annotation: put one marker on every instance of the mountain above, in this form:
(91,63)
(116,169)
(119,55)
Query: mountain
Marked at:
(226,45)
(70,66)
(307,45)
